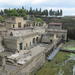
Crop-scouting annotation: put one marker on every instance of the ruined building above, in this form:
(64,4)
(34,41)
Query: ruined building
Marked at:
(22,48)
(54,32)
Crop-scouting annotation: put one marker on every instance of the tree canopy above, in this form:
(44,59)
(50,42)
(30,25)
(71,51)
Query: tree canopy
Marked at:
(32,12)
(55,12)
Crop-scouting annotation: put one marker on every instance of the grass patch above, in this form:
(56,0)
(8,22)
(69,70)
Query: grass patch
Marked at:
(53,67)
(72,55)
(69,45)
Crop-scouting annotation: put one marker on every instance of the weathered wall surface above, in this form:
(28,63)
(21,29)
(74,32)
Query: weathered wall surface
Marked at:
(31,67)
(13,43)
(10,44)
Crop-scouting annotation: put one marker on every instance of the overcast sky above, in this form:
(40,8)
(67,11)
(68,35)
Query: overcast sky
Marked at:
(68,6)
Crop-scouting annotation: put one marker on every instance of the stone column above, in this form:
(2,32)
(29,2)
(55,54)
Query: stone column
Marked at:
(54,36)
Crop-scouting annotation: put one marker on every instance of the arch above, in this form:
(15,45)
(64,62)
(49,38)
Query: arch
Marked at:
(36,24)
(11,34)
(30,43)
(21,46)
(63,36)
(26,45)
(19,24)
(37,39)
(51,41)
(24,25)
(34,40)
(13,26)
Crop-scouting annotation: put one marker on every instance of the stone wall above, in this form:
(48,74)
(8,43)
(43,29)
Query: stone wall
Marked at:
(31,67)
(10,44)
(13,43)
(27,42)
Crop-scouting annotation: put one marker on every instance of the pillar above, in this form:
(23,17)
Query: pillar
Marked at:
(3,62)
(54,36)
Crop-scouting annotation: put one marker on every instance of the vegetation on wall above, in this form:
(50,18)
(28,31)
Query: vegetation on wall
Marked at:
(1,18)
(39,20)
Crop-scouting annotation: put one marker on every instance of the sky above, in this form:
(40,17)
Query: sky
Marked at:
(68,6)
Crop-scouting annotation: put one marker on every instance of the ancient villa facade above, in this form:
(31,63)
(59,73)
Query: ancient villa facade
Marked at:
(23,42)
(54,32)
(23,45)
(20,23)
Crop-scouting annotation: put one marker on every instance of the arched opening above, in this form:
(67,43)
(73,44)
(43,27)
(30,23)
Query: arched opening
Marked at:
(30,43)
(37,40)
(24,25)
(13,26)
(26,45)
(20,46)
(36,24)
(34,40)
(51,41)
(19,25)
(63,38)
(33,24)
(11,34)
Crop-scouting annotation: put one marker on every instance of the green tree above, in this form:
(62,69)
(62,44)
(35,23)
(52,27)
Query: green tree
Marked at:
(6,12)
(14,12)
(60,12)
(1,13)
(39,20)
(1,18)
(57,13)
(22,12)
(30,11)
(45,12)
(22,7)
(50,12)
(36,11)
(40,12)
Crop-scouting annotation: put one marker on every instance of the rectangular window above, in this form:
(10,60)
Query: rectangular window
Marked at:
(13,26)
(20,46)
(24,25)
(19,25)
